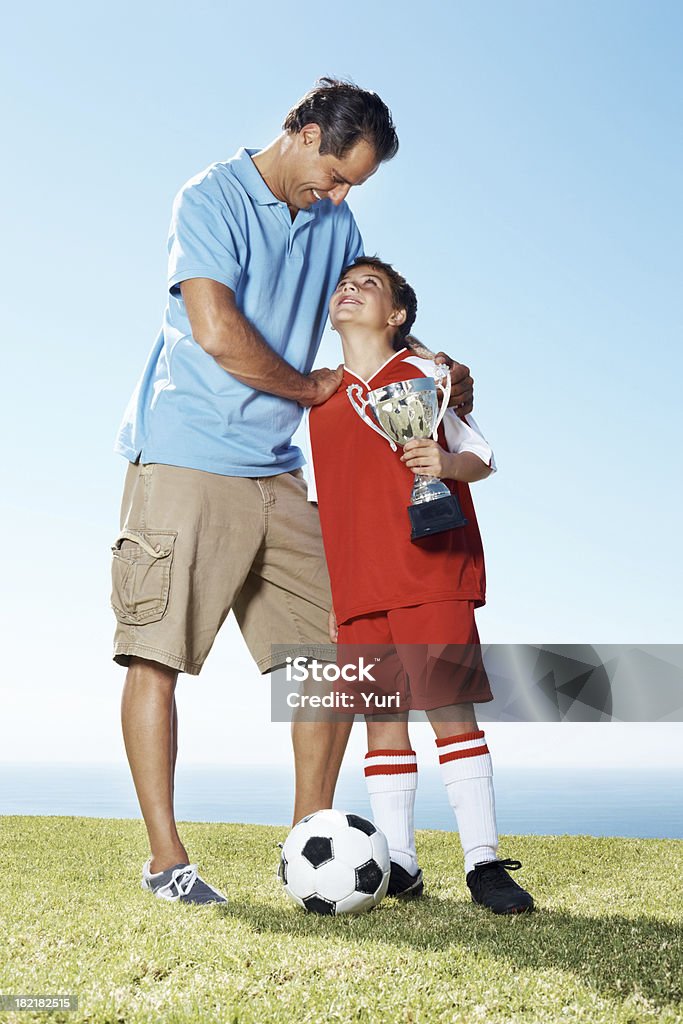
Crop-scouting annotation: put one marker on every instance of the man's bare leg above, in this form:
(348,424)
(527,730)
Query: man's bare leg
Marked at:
(318,753)
(149,722)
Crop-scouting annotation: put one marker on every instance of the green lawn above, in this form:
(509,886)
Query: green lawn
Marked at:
(604,945)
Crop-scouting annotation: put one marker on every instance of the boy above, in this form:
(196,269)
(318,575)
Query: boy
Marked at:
(416,598)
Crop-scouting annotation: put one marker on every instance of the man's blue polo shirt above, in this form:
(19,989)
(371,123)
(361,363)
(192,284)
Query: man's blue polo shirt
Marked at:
(228,226)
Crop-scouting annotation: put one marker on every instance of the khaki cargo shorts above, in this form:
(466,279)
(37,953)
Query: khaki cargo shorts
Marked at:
(194,545)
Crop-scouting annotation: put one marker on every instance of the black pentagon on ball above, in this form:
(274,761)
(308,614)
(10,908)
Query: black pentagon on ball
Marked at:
(317,905)
(362,824)
(368,877)
(282,870)
(318,850)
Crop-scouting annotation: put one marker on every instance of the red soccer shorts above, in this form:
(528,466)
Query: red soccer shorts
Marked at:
(428,653)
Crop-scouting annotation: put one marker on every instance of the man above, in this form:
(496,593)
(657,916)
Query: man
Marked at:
(214,513)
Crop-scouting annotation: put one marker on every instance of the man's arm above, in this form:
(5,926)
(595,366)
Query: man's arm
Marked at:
(225,333)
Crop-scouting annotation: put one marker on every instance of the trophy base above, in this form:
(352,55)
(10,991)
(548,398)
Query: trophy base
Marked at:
(435,517)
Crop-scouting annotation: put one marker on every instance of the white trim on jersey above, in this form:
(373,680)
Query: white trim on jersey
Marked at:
(310,468)
(378,370)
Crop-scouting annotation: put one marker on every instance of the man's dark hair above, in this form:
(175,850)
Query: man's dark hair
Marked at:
(402,294)
(346,115)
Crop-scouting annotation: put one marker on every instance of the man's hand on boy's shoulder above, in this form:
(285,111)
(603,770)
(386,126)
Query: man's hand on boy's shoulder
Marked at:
(462,385)
(321,385)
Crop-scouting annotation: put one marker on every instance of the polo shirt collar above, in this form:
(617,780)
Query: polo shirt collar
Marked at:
(247,172)
(249,177)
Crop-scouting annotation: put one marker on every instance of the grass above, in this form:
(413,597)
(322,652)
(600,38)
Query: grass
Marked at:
(605,944)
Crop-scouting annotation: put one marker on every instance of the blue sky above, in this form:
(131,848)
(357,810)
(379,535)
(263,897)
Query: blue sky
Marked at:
(534,205)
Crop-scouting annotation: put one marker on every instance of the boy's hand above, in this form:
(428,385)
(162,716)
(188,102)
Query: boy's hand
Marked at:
(332,626)
(428,458)
(462,385)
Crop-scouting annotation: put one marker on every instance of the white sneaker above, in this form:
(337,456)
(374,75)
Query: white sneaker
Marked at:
(181,882)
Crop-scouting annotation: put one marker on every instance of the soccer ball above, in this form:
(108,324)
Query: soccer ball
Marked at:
(335,863)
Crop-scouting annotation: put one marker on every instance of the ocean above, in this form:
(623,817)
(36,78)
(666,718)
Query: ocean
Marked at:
(647,804)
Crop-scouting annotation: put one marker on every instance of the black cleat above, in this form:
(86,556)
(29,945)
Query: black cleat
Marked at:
(492,887)
(403,885)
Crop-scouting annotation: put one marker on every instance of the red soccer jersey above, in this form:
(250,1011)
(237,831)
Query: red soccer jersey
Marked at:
(363,491)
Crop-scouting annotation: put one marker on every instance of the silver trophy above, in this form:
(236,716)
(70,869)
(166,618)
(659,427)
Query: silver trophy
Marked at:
(403,411)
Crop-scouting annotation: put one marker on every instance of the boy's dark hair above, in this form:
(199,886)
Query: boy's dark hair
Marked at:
(402,294)
(346,115)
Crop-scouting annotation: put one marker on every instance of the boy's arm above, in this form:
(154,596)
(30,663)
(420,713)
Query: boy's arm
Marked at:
(469,458)
(430,459)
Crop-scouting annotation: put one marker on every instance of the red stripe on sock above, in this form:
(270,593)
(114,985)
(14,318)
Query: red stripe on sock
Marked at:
(472,752)
(391,769)
(392,753)
(459,738)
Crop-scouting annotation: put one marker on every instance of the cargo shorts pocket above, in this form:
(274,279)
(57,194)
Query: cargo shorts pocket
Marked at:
(141,575)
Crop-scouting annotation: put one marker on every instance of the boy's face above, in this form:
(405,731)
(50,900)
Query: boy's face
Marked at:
(363,298)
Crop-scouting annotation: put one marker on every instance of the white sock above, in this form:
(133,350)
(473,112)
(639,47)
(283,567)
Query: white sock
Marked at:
(391,777)
(467,773)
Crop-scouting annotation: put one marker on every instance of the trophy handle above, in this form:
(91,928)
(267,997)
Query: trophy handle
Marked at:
(442,379)
(360,404)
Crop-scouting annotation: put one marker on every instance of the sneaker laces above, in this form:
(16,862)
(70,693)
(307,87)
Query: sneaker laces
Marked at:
(496,878)
(181,882)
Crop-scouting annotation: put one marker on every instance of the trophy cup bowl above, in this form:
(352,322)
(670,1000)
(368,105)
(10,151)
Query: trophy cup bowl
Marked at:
(404,411)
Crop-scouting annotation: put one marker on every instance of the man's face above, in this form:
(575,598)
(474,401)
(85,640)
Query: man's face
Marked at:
(313,177)
(363,298)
